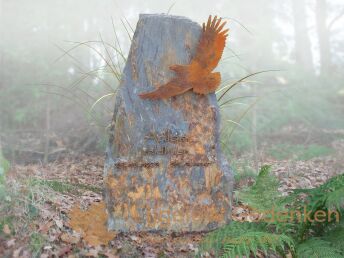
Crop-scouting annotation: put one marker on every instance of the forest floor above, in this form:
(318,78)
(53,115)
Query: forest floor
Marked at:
(35,223)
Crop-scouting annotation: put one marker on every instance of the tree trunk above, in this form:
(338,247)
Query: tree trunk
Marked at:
(164,168)
(323,36)
(303,53)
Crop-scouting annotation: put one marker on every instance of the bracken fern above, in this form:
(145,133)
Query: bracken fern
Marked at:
(303,238)
(263,195)
(317,248)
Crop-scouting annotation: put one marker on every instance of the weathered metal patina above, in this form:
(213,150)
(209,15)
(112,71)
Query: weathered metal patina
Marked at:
(198,75)
(164,168)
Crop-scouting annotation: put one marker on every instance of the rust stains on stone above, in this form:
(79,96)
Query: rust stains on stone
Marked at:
(177,206)
(138,194)
(91,224)
(165,190)
(133,61)
(212,176)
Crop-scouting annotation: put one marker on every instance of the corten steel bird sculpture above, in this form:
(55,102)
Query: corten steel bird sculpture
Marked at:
(198,74)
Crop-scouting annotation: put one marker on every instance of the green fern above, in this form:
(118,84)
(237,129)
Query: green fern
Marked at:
(303,238)
(263,195)
(329,195)
(317,248)
(4,167)
(242,238)
(335,199)
(334,189)
(336,236)
(254,242)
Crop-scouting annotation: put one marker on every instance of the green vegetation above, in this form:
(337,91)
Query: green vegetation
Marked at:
(242,172)
(239,142)
(306,236)
(64,187)
(298,151)
(6,220)
(4,167)
(58,88)
(74,77)
(241,238)
(19,206)
(263,194)
(37,241)
(22,201)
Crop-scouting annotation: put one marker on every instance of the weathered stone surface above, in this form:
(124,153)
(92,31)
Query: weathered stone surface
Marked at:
(164,168)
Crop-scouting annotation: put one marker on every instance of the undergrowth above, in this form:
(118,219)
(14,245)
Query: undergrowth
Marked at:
(20,204)
(37,241)
(305,235)
(298,151)
(64,187)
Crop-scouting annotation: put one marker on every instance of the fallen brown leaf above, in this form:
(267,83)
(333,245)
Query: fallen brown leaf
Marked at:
(64,250)
(45,227)
(65,237)
(59,223)
(16,252)
(11,242)
(110,255)
(92,253)
(6,229)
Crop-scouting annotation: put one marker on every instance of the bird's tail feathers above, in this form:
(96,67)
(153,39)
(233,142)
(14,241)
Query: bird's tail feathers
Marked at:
(165,91)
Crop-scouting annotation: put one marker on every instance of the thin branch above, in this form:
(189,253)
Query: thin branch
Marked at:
(335,19)
(170,8)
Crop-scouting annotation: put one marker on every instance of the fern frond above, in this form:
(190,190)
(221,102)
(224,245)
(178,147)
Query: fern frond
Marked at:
(336,237)
(263,195)
(243,238)
(334,183)
(214,240)
(312,238)
(328,193)
(317,248)
(253,242)
(335,199)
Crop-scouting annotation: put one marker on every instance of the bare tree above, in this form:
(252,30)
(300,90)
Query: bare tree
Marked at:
(323,36)
(303,53)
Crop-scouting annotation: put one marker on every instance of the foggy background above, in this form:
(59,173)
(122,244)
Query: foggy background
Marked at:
(60,62)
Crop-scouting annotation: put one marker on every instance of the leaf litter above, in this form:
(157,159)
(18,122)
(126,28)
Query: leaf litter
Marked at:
(70,222)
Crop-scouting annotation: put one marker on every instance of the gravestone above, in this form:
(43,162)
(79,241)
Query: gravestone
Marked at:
(164,168)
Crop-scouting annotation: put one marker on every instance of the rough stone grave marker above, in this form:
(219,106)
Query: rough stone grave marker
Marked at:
(164,168)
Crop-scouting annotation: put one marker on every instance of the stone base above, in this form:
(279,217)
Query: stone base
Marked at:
(148,199)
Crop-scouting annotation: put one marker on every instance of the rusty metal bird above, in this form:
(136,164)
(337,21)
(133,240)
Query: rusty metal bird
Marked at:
(198,75)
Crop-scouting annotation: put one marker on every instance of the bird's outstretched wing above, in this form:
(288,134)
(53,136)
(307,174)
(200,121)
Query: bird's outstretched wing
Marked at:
(207,57)
(211,45)
(166,91)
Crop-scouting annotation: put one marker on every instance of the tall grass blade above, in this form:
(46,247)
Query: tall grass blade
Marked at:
(241,80)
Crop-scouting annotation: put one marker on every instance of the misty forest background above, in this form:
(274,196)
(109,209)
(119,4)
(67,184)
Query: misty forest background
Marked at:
(283,79)
(60,64)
